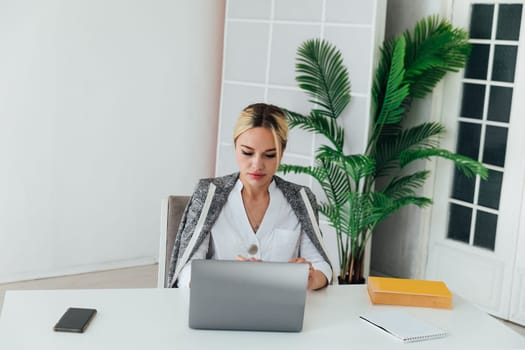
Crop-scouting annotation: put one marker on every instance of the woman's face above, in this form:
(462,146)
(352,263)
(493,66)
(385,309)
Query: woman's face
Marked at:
(256,157)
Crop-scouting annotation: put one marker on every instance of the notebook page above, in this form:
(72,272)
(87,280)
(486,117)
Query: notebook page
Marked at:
(404,326)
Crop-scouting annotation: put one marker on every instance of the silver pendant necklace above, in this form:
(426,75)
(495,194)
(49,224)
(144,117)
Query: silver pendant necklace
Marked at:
(255,224)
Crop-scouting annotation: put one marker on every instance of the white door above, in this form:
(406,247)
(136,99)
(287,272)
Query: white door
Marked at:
(477,227)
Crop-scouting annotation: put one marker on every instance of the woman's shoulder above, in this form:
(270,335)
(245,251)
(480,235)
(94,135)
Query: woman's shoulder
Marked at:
(288,186)
(292,192)
(221,181)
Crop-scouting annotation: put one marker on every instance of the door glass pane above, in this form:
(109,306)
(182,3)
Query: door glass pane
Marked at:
(499,104)
(478,62)
(485,232)
(468,139)
(463,187)
(459,223)
(472,102)
(509,20)
(495,145)
(489,190)
(481,21)
(470,199)
(504,63)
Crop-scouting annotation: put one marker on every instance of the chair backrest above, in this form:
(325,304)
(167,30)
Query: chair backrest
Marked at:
(172,209)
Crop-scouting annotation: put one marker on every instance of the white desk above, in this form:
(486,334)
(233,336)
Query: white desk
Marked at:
(157,319)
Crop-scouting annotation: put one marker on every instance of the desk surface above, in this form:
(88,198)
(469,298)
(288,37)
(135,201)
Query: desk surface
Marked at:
(158,319)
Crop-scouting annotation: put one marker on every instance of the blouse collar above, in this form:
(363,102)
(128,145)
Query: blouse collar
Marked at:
(239,186)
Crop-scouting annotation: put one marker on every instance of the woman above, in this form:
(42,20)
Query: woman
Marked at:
(253,214)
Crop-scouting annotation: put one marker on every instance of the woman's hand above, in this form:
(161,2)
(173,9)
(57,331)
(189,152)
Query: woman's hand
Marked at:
(243,258)
(316,279)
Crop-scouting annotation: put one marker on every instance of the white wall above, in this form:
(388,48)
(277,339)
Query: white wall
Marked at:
(399,244)
(105,108)
(261,40)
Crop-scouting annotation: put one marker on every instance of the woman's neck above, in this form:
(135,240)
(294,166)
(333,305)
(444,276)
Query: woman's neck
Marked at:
(254,192)
(256,201)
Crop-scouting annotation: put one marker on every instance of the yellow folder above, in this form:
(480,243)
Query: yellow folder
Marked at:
(409,292)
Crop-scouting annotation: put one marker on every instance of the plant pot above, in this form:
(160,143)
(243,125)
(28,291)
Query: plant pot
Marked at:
(354,271)
(346,280)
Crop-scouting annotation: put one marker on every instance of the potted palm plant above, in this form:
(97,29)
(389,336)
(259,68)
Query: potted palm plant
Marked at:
(410,66)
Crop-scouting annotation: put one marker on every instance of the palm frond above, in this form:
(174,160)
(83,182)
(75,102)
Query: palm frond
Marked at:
(390,91)
(466,165)
(434,49)
(317,123)
(390,110)
(381,76)
(330,211)
(389,147)
(357,166)
(336,185)
(315,172)
(390,130)
(420,202)
(357,214)
(380,208)
(386,206)
(322,74)
(405,185)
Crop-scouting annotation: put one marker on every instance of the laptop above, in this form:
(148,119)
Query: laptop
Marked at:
(247,296)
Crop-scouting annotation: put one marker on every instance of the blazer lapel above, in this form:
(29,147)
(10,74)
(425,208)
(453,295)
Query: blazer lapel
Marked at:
(293,196)
(222,191)
(295,201)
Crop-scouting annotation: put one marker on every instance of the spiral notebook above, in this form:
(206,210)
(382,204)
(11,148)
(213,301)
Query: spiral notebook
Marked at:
(404,326)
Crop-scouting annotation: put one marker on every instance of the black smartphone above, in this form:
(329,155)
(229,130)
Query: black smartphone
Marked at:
(75,320)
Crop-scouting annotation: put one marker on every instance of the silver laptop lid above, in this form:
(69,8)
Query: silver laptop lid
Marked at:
(241,295)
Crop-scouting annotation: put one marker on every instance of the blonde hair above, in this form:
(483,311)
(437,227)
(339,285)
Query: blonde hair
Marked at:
(265,116)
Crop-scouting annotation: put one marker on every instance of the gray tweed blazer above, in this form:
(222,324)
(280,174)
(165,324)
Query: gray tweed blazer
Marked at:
(207,202)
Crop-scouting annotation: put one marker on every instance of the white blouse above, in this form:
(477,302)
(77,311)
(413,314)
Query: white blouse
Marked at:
(279,237)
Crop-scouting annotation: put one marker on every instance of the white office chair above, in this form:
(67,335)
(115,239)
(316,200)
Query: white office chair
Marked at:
(172,209)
